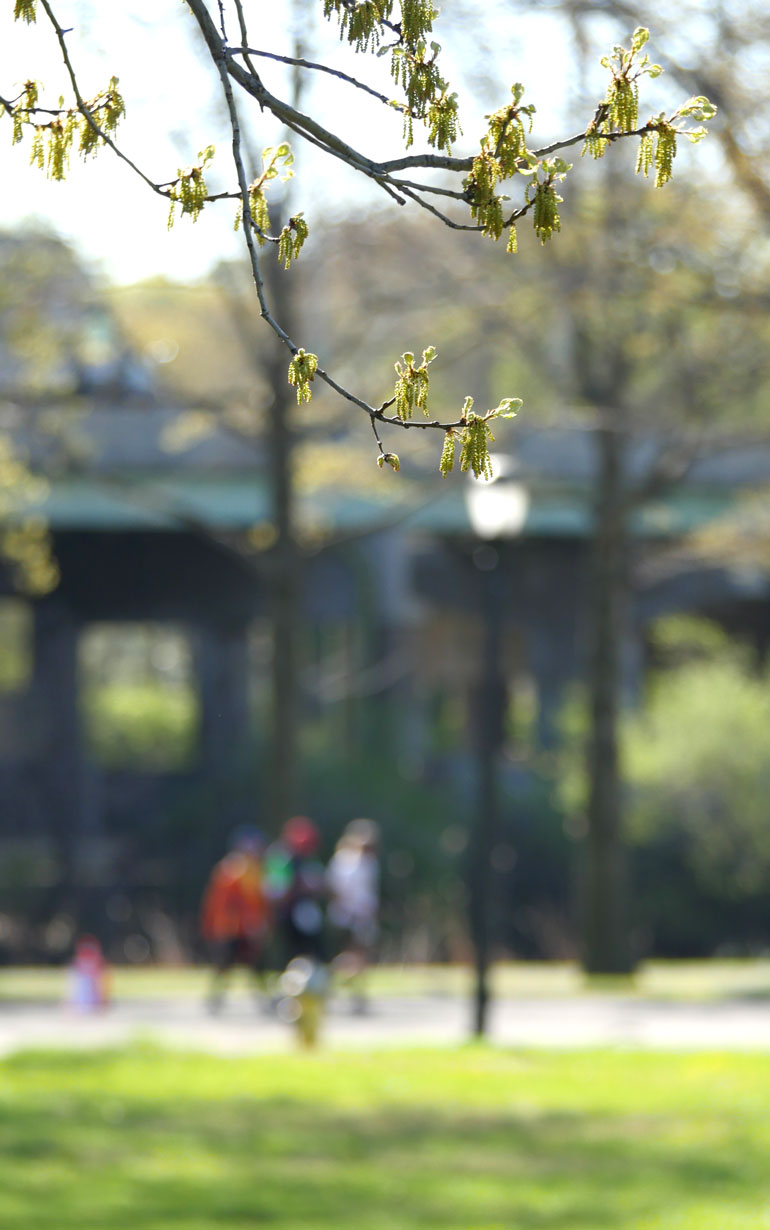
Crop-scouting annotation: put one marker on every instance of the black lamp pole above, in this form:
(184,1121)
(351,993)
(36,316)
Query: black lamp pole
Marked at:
(488,731)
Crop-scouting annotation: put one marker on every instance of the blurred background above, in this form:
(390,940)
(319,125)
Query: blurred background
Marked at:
(550,691)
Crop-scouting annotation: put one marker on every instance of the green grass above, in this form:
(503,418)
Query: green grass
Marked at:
(472,1139)
(682,980)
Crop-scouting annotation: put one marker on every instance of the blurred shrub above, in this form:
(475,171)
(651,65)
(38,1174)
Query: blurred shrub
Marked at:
(15,645)
(145,725)
(696,766)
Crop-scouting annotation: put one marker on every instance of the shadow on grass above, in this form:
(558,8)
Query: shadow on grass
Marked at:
(91,1161)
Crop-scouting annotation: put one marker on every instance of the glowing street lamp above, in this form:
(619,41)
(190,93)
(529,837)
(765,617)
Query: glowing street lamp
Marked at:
(498,508)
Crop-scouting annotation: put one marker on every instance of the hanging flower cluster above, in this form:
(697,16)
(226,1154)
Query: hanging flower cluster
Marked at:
(411,391)
(54,138)
(302,370)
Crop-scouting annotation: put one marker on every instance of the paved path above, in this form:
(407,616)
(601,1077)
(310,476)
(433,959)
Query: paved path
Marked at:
(588,1020)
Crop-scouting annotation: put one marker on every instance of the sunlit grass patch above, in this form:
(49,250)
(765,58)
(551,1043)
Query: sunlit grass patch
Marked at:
(469,1139)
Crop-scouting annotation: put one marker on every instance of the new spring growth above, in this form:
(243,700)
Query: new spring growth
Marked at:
(26,10)
(291,239)
(413,59)
(411,391)
(507,138)
(52,141)
(416,70)
(390,459)
(277,163)
(503,153)
(189,190)
(360,23)
(541,190)
(620,112)
(302,370)
(657,147)
(475,436)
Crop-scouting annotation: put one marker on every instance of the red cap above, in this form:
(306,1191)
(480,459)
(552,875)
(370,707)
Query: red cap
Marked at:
(301,835)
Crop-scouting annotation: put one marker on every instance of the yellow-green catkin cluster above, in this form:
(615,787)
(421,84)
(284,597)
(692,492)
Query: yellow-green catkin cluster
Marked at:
(26,10)
(619,113)
(413,62)
(260,216)
(658,145)
(503,153)
(545,213)
(485,205)
(595,144)
(622,104)
(277,163)
(291,239)
(23,110)
(443,122)
(53,141)
(620,109)
(189,191)
(507,138)
(658,148)
(302,370)
(417,72)
(360,23)
(411,389)
(446,464)
(476,438)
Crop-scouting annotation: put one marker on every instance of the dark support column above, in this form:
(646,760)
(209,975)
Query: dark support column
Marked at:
(57,744)
(553,663)
(227,756)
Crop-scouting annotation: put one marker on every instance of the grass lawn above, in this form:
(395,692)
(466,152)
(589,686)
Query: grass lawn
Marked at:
(472,1139)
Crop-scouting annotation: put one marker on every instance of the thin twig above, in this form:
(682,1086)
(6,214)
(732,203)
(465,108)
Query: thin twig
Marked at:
(60,33)
(296,62)
(455,226)
(373,421)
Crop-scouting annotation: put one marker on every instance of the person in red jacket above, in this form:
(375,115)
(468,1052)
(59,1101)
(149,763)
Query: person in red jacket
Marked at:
(235,913)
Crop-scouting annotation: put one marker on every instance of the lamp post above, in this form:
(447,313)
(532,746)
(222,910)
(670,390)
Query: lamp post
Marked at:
(497,510)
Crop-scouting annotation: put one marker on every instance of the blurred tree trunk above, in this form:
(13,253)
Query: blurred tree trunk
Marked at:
(284,571)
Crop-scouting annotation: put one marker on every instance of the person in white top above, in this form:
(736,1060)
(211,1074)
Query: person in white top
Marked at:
(353,886)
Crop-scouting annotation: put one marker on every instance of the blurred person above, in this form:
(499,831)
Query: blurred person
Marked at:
(353,885)
(235,914)
(295,885)
(89,976)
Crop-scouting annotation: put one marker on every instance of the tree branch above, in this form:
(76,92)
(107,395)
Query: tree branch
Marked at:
(295,62)
(84,110)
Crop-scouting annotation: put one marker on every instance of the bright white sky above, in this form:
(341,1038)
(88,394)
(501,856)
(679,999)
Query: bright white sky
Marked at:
(173,111)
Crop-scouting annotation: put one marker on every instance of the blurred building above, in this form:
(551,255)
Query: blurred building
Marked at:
(134,698)
(162,537)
